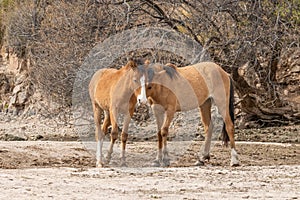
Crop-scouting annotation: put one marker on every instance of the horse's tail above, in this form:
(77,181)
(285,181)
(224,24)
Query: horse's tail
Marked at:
(225,136)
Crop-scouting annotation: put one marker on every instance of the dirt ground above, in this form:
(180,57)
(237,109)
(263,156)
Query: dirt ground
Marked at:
(264,182)
(57,170)
(45,164)
(32,154)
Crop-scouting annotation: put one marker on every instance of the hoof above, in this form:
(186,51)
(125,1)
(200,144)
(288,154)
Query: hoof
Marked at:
(106,162)
(100,165)
(166,163)
(199,163)
(107,159)
(234,159)
(206,157)
(155,163)
(123,164)
(234,164)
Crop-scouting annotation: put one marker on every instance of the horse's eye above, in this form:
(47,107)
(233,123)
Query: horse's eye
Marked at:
(135,80)
(149,87)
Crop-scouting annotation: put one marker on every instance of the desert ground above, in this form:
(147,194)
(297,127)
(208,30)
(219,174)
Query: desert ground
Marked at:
(43,159)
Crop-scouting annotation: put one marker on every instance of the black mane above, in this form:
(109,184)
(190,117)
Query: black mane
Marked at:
(150,72)
(170,71)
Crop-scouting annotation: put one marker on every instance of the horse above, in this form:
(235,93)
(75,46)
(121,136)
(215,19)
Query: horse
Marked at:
(171,89)
(113,92)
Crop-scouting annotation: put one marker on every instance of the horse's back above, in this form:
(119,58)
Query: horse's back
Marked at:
(197,83)
(216,79)
(212,73)
(205,77)
(210,69)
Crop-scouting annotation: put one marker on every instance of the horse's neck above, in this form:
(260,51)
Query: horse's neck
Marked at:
(122,77)
(121,72)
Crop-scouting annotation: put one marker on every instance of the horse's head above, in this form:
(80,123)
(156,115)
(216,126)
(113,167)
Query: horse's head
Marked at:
(138,76)
(148,79)
(159,76)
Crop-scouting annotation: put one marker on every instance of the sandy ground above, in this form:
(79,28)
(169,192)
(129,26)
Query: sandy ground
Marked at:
(267,182)
(50,161)
(58,170)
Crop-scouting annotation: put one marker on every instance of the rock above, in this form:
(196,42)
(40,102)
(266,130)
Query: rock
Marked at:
(10,137)
(14,85)
(20,79)
(4,84)
(17,89)
(15,111)
(295,69)
(12,101)
(22,97)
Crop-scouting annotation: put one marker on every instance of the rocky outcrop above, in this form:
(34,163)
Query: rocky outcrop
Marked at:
(5,89)
(15,87)
(288,75)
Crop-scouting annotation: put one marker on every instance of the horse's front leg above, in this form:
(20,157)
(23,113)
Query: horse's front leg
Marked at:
(159,113)
(99,135)
(205,111)
(99,154)
(124,136)
(164,133)
(113,135)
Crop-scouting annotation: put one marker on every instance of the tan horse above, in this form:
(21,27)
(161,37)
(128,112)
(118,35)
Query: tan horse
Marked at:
(171,89)
(115,92)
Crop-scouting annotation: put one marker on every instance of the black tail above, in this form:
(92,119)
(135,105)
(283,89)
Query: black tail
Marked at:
(225,136)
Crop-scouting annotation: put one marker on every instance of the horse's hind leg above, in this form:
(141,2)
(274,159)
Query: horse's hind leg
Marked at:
(158,112)
(205,111)
(99,135)
(106,122)
(224,110)
(230,131)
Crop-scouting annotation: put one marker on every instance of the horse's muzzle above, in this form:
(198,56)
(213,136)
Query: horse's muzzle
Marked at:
(142,99)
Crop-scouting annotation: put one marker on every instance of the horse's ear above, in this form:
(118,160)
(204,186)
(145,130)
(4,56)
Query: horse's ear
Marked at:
(171,65)
(147,62)
(131,64)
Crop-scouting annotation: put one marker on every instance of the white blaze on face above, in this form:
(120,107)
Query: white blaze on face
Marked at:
(142,98)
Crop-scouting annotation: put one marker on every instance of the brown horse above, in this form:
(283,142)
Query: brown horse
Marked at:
(115,92)
(171,89)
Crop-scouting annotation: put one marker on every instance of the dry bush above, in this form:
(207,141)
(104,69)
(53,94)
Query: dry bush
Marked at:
(248,39)
(56,36)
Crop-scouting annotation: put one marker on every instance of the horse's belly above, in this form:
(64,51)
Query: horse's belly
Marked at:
(187,105)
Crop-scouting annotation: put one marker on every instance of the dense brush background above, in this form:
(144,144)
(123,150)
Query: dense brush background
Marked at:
(256,41)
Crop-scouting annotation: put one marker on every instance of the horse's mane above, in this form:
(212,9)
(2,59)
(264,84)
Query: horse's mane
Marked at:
(141,68)
(150,73)
(171,71)
(169,68)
